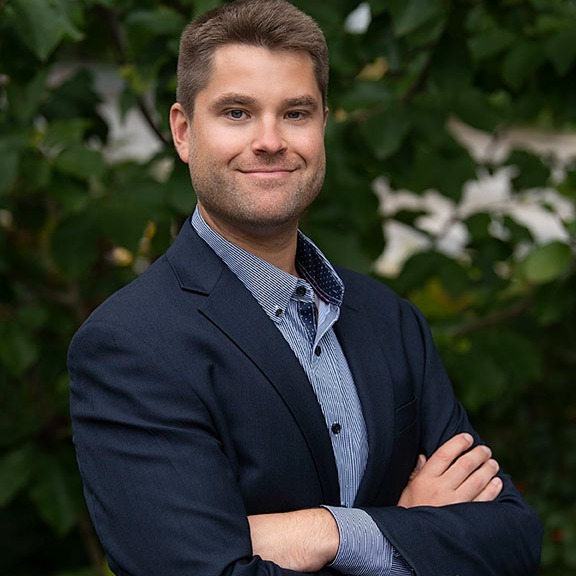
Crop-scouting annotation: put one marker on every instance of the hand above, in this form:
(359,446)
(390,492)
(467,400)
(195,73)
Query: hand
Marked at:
(452,475)
(304,540)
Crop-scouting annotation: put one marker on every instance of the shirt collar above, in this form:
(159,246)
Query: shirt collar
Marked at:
(271,286)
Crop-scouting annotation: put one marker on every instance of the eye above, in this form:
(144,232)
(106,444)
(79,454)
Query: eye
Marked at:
(236,114)
(295,115)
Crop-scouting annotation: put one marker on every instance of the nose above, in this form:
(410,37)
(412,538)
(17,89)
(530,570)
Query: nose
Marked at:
(268,137)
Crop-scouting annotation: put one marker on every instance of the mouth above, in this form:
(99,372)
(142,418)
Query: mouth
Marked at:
(268,172)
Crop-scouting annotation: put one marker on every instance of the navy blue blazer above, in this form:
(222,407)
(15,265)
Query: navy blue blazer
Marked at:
(190,412)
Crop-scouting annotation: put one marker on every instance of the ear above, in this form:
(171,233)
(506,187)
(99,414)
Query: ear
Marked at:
(180,126)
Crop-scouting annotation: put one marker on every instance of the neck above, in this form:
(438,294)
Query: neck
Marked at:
(277,247)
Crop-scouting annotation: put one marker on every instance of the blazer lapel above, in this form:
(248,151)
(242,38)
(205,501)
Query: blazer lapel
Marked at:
(375,390)
(232,308)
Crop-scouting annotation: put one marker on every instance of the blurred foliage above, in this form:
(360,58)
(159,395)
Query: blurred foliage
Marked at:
(78,219)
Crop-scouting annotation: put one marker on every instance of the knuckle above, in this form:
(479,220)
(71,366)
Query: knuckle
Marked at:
(467,463)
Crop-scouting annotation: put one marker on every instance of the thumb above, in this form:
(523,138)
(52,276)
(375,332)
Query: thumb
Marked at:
(419,465)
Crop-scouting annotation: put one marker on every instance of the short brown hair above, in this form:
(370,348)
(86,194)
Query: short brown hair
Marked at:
(272,24)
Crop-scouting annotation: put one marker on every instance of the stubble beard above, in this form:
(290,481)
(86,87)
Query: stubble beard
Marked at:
(223,197)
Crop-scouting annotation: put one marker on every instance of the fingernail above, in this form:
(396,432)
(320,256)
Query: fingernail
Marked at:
(468,438)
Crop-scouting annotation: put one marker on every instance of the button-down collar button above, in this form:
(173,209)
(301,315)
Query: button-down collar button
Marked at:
(317,350)
(336,428)
(301,290)
(278,311)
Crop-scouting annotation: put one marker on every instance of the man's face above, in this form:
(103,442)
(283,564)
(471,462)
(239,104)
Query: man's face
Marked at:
(255,143)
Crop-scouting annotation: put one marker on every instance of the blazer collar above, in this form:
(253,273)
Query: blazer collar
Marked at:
(231,307)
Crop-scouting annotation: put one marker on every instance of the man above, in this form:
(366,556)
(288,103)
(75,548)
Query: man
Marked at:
(242,408)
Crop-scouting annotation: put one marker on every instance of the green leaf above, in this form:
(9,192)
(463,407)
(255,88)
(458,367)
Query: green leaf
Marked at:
(451,69)
(521,63)
(490,43)
(343,247)
(76,98)
(474,108)
(201,6)
(385,132)
(411,14)
(161,21)
(8,170)
(532,170)
(568,186)
(479,226)
(81,162)
(63,133)
(494,362)
(571,228)
(10,148)
(181,196)
(547,263)
(74,243)
(561,49)
(25,99)
(479,379)
(56,492)
(365,94)
(15,470)
(518,232)
(42,24)
(445,168)
(137,200)
(18,349)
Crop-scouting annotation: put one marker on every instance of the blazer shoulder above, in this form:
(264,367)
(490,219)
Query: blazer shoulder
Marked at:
(188,267)
(362,288)
(380,302)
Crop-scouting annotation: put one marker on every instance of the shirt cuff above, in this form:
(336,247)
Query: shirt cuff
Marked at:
(363,550)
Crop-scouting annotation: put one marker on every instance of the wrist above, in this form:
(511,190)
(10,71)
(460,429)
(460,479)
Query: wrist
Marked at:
(329,535)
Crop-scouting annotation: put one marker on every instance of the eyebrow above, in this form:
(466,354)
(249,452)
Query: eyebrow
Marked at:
(234,99)
(301,101)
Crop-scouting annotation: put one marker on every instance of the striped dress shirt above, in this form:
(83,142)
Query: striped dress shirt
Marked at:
(305,309)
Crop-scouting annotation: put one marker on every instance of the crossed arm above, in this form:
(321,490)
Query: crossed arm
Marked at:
(174,520)
(307,540)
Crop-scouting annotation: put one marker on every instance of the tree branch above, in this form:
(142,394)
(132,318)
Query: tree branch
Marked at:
(500,317)
(120,42)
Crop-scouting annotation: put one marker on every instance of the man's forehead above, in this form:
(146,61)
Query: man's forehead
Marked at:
(242,73)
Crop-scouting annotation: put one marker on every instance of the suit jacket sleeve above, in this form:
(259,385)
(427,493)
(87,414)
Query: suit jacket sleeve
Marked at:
(500,538)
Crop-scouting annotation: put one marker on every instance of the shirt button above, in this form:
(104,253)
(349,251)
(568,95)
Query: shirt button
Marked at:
(336,428)
(279,312)
(317,350)
(301,290)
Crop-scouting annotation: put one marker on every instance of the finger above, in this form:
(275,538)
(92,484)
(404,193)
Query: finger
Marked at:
(467,464)
(443,458)
(490,493)
(478,482)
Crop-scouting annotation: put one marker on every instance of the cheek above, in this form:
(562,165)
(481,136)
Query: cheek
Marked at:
(315,150)
(308,143)
(214,144)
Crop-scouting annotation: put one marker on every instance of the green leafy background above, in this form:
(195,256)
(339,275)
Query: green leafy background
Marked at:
(77,222)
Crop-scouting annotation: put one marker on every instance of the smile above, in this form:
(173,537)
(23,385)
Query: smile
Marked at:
(268,173)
